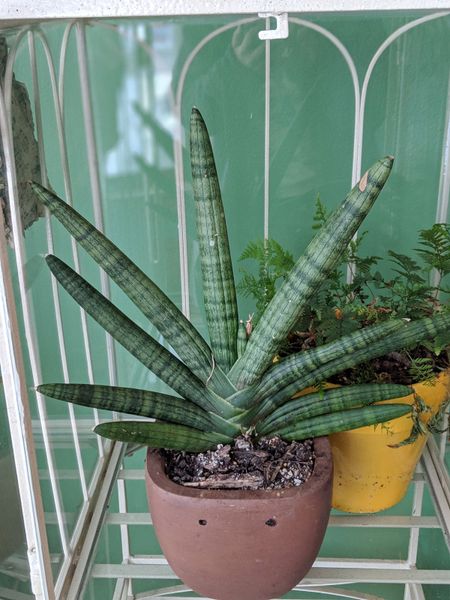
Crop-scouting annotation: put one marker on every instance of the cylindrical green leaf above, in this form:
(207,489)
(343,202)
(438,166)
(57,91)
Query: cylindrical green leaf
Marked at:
(308,273)
(138,402)
(241,339)
(344,420)
(328,401)
(296,366)
(141,345)
(146,295)
(281,383)
(217,271)
(161,435)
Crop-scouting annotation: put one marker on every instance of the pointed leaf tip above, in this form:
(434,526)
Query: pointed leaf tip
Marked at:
(388,161)
(196,115)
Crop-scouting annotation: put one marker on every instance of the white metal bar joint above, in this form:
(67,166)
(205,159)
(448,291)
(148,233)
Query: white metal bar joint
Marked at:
(281,31)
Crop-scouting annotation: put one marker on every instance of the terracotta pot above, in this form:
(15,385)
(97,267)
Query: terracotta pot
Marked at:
(370,475)
(241,544)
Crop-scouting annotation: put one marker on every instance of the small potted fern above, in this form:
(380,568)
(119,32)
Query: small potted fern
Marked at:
(234,543)
(372,466)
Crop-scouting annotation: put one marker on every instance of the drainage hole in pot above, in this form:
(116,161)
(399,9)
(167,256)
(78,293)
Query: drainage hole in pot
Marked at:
(202,522)
(271,522)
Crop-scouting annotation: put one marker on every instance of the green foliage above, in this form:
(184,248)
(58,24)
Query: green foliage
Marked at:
(231,385)
(435,249)
(422,369)
(345,304)
(273,263)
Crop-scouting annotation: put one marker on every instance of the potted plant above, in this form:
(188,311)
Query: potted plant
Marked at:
(234,543)
(373,468)
(368,475)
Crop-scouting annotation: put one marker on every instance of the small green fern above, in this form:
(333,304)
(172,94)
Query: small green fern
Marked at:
(435,248)
(422,369)
(321,214)
(273,264)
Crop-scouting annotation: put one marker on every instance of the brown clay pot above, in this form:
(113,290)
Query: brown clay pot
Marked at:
(241,544)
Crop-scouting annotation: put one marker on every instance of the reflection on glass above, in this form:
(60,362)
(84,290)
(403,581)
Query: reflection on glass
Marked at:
(14,571)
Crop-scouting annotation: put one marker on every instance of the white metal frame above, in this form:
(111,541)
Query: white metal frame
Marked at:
(73,9)
(96,492)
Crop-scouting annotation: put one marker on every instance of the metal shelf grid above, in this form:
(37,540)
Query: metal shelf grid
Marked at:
(77,564)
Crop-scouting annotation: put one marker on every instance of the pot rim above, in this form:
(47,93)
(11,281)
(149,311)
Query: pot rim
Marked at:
(322,472)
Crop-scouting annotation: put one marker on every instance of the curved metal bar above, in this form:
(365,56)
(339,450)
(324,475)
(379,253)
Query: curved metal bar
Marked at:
(388,41)
(330,590)
(178,154)
(354,75)
(16,393)
(55,290)
(62,65)
(178,141)
(30,332)
(164,591)
(340,593)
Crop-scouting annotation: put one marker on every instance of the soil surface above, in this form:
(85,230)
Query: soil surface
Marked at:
(268,463)
(394,367)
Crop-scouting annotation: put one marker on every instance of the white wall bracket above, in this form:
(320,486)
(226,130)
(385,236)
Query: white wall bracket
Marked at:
(281,30)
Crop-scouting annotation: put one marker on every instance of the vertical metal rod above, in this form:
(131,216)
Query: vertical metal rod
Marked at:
(94,171)
(50,245)
(27,306)
(387,42)
(441,217)
(178,155)
(86,553)
(123,508)
(59,94)
(413,546)
(267,135)
(444,181)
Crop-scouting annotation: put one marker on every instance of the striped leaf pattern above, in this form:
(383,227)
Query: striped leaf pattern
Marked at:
(307,274)
(297,365)
(138,402)
(142,291)
(161,435)
(217,271)
(286,382)
(344,420)
(327,401)
(134,339)
(232,387)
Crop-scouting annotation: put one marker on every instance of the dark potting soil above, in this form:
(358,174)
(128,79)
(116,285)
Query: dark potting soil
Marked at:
(394,367)
(268,463)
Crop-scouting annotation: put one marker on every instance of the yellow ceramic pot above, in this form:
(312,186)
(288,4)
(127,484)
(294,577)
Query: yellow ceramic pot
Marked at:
(369,475)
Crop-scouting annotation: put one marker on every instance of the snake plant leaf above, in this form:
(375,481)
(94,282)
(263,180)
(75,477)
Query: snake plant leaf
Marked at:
(134,339)
(161,435)
(217,271)
(283,380)
(299,364)
(143,403)
(142,291)
(343,420)
(308,273)
(328,401)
